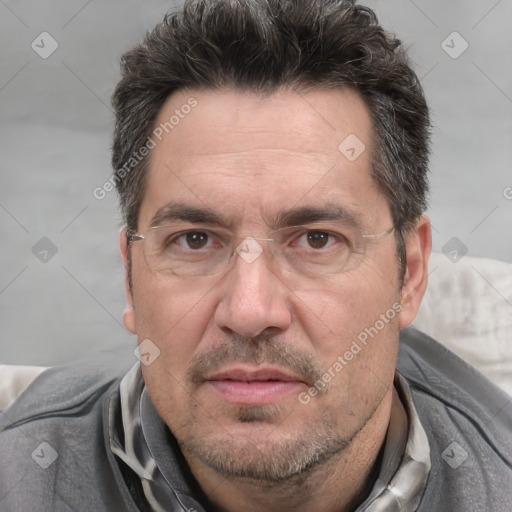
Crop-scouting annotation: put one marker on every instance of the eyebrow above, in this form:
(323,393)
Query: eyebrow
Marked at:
(307,214)
(297,216)
(181,211)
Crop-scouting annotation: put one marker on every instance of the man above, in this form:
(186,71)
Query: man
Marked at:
(271,161)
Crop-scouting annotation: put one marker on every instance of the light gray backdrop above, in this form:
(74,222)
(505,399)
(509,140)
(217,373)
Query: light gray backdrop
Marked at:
(61,290)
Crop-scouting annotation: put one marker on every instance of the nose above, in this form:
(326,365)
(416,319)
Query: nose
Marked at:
(254,298)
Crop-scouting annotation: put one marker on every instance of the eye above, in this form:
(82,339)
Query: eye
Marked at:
(193,240)
(316,239)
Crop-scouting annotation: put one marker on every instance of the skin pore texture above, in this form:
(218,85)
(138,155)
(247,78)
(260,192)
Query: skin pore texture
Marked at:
(238,349)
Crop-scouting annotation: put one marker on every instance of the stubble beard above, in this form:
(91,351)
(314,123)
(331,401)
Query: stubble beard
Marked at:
(269,454)
(272,459)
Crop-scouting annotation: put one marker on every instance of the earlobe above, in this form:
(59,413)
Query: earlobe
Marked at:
(129,312)
(129,320)
(418,242)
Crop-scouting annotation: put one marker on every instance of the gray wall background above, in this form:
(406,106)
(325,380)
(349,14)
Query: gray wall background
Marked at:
(55,134)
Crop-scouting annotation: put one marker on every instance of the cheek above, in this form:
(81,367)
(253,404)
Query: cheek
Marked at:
(358,352)
(175,322)
(345,306)
(173,317)
(356,319)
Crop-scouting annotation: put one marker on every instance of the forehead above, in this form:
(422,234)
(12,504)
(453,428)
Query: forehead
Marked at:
(253,155)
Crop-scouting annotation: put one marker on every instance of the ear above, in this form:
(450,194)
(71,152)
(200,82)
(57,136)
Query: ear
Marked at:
(418,243)
(129,312)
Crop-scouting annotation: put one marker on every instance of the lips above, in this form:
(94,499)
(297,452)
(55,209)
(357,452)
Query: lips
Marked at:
(256,375)
(254,386)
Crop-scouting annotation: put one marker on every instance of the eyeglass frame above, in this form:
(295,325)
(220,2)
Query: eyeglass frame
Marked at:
(132,236)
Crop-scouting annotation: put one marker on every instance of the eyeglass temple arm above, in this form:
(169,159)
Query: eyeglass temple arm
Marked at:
(131,236)
(380,235)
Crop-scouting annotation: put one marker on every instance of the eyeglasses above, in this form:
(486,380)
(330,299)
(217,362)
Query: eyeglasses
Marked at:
(310,250)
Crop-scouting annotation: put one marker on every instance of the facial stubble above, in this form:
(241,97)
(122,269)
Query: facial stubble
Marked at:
(270,453)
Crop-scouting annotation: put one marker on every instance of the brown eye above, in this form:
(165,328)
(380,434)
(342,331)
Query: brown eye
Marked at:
(196,240)
(318,239)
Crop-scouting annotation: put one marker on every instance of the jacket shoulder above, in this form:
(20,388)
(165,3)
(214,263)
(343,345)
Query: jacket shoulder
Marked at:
(54,441)
(468,421)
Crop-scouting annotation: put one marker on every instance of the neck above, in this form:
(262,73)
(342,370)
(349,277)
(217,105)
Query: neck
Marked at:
(339,484)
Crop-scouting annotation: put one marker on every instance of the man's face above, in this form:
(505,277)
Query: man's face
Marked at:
(241,350)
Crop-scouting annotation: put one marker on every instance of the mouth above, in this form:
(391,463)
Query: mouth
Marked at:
(254,386)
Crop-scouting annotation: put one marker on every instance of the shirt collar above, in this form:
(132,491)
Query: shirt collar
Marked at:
(406,460)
